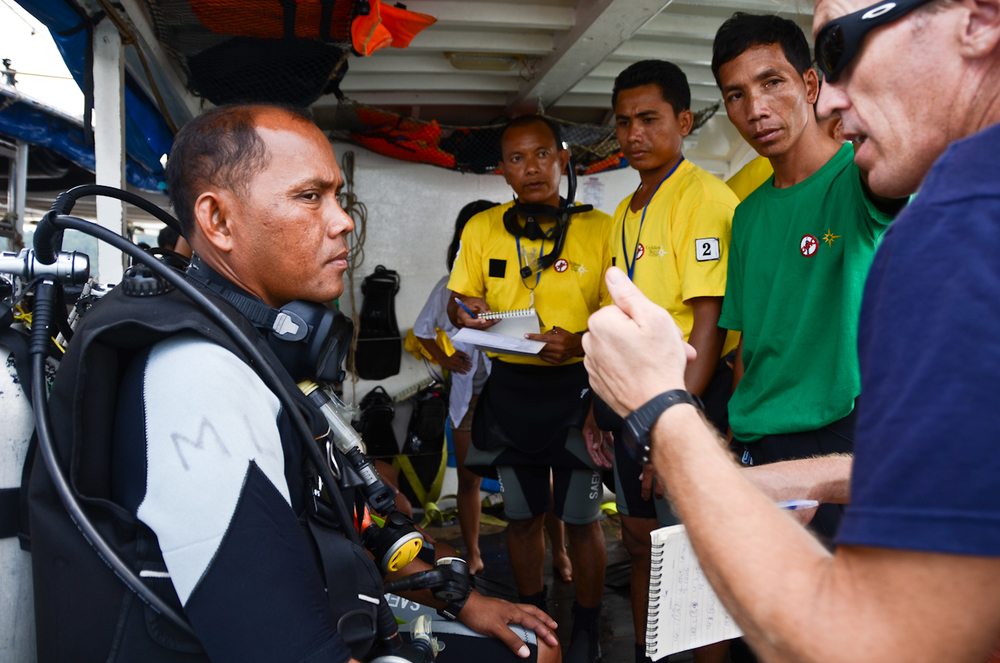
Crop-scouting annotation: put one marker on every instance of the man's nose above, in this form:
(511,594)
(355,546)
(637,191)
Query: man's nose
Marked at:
(832,99)
(635,134)
(758,106)
(338,221)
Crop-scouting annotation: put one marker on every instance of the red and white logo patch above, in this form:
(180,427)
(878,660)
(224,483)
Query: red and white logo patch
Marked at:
(808,245)
(640,252)
(561,265)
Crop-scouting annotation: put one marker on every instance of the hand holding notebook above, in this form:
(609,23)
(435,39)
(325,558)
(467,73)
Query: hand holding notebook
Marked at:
(507,335)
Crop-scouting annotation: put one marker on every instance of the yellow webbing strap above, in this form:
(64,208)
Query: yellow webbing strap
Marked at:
(427,498)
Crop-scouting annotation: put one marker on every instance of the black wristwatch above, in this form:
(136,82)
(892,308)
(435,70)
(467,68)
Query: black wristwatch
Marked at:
(450,611)
(639,425)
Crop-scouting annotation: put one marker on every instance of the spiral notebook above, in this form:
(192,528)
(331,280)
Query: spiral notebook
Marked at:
(684,612)
(507,336)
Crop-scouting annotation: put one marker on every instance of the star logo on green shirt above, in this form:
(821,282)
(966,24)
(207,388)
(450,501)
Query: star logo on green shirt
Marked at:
(829,237)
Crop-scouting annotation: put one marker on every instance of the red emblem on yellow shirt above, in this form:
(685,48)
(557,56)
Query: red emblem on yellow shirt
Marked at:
(561,265)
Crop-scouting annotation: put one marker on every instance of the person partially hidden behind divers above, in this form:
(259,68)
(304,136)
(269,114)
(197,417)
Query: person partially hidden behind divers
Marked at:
(196,474)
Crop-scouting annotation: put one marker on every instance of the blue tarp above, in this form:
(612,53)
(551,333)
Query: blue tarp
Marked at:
(36,127)
(147,137)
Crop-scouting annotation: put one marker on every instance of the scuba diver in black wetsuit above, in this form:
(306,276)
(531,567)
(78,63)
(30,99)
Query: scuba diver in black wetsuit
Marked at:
(189,464)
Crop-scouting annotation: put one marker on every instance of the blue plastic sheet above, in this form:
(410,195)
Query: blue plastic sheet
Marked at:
(36,127)
(147,137)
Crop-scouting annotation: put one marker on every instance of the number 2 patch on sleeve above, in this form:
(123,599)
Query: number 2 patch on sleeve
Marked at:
(707,248)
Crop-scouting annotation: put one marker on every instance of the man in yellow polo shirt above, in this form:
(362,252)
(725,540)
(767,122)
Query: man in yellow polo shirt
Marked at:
(531,412)
(671,236)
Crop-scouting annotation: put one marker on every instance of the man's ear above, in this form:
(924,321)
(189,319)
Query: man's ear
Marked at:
(811,79)
(213,215)
(981,29)
(564,156)
(686,121)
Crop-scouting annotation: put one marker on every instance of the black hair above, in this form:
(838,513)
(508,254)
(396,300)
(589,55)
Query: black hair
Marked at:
(528,120)
(665,75)
(467,213)
(743,31)
(218,148)
(167,239)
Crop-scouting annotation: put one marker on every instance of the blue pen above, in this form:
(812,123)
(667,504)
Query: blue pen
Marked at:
(797,505)
(465,308)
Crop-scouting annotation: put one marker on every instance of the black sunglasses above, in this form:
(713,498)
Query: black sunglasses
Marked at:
(838,42)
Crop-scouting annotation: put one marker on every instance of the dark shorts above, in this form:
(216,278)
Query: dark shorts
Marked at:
(577,492)
(628,487)
(836,438)
(530,415)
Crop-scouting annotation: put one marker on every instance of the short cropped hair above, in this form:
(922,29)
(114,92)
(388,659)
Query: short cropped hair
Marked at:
(743,31)
(167,239)
(665,75)
(219,148)
(528,120)
(467,212)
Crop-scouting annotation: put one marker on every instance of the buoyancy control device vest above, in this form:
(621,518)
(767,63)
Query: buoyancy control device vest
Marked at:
(83,611)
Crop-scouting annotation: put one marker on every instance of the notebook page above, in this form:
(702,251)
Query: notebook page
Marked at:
(484,340)
(684,611)
(517,326)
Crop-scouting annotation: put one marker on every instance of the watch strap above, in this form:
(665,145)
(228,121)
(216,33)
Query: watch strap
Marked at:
(642,420)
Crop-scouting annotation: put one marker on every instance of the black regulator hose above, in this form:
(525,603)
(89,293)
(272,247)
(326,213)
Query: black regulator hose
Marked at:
(49,232)
(41,321)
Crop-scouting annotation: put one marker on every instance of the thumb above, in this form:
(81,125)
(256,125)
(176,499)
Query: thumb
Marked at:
(624,293)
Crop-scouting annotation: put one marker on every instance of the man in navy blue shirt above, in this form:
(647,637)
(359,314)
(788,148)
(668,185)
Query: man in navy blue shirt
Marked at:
(916,573)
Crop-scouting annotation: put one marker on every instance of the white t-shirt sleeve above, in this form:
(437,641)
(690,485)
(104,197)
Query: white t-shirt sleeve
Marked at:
(436,308)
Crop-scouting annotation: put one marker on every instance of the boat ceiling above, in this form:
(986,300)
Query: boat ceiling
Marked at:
(569,54)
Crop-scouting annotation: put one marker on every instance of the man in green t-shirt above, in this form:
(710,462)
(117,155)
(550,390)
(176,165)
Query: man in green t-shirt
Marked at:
(802,245)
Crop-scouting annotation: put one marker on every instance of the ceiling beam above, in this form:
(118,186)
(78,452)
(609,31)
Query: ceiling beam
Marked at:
(455,81)
(671,25)
(454,14)
(481,41)
(705,92)
(387,62)
(696,74)
(680,54)
(494,99)
(601,27)
(592,100)
(726,9)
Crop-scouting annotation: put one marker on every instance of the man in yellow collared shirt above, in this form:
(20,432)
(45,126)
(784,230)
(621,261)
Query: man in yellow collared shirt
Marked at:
(529,417)
(672,238)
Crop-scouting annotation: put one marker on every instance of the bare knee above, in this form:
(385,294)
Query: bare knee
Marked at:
(525,528)
(581,534)
(635,536)
(548,654)
(468,482)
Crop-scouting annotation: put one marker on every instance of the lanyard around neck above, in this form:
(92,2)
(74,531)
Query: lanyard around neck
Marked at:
(630,268)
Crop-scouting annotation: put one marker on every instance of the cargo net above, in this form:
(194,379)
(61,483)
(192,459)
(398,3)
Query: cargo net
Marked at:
(256,50)
(595,148)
